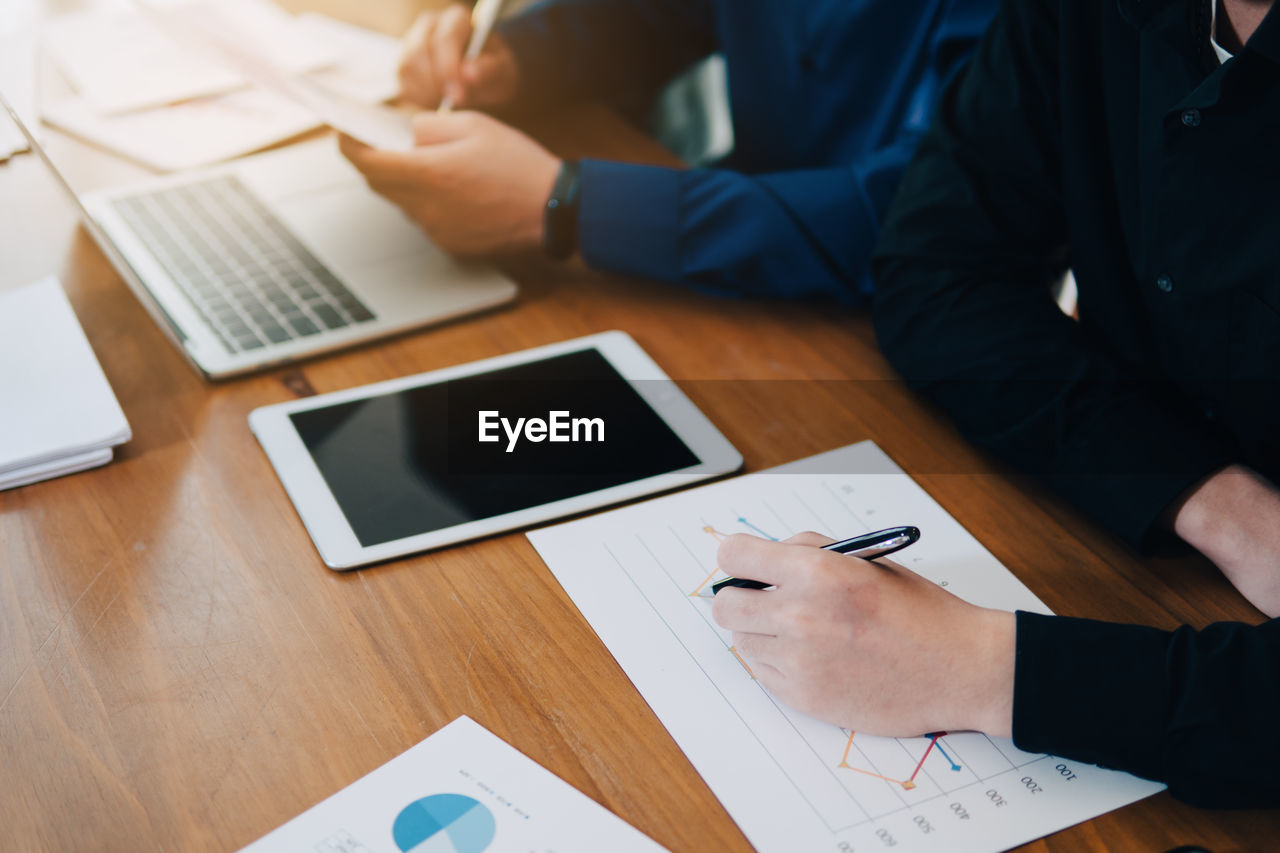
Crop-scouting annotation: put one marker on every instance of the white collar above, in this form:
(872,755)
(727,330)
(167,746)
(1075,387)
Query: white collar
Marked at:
(1223,54)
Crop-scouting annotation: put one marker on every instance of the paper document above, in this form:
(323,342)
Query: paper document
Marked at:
(372,124)
(368,64)
(215,128)
(121,60)
(17,74)
(187,135)
(57,412)
(793,783)
(462,790)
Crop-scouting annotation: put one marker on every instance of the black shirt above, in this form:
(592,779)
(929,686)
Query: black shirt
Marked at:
(1104,136)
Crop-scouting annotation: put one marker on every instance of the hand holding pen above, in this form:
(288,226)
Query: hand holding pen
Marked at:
(868,546)
(872,647)
(452,59)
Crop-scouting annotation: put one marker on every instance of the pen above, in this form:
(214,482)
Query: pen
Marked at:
(868,546)
(483,16)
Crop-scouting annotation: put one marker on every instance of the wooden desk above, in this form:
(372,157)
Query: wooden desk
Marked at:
(178,670)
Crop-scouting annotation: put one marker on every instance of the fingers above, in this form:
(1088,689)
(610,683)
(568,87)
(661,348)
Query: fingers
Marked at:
(417,81)
(759,648)
(413,167)
(488,79)
(383,169)
(758,652)
(744,556)
(750,611)
(483,69)
(433,48)
(770,677)
(448,41)
(352,149)
(808,537)
(432,128)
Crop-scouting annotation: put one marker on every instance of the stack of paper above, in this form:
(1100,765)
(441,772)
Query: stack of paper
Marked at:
(164,101)
(57,412)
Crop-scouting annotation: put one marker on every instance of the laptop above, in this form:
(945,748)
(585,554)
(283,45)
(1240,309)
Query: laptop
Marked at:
(276,257)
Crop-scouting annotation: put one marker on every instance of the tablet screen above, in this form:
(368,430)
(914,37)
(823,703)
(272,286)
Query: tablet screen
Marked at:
(439,455)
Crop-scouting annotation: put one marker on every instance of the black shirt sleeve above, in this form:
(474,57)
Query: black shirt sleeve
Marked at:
(964,310)
(1193,709)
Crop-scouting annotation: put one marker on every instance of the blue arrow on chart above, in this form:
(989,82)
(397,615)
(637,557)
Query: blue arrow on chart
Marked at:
(954,766)
(751,526)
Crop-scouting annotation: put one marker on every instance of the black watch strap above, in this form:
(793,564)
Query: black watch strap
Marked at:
(560,219)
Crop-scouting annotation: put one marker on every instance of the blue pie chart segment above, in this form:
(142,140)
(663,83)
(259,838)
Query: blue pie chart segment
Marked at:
(444,823)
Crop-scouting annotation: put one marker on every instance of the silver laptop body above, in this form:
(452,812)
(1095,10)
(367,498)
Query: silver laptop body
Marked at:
(276,257)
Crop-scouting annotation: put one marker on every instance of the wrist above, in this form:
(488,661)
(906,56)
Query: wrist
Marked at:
(1233,518)
(1226,512)
(560,216)
(992,662)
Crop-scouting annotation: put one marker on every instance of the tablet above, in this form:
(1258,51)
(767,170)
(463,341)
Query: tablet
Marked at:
(417,463)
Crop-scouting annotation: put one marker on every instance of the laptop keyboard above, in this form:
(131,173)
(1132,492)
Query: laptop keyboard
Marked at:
(246,274)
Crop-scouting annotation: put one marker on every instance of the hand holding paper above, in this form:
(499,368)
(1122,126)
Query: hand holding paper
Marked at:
(475,185)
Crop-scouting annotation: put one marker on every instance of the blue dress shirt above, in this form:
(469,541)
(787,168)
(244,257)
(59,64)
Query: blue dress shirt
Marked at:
(828,99)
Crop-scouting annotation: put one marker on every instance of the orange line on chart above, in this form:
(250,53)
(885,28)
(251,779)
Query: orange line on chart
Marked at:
(907,784)
(719,537)
(734,649)
(716,534)
(705,581)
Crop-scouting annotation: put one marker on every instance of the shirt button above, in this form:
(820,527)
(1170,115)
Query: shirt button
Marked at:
(1164,282)
(1191,118)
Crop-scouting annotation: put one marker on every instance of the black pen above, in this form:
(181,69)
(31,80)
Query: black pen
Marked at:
(868,546)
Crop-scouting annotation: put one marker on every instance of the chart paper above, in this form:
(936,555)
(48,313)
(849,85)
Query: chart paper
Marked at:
(462,790)
(793,783)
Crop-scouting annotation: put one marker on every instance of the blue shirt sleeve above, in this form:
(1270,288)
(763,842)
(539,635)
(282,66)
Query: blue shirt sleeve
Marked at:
(798,234)
(802,217)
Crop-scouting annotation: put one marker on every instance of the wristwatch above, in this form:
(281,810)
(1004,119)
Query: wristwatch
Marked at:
(560,219)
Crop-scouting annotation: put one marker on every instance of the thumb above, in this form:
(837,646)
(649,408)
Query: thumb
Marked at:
(482,81)
(483,70)
(433,128)
(808,537)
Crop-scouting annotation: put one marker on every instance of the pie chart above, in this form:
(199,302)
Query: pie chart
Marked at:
(443,823)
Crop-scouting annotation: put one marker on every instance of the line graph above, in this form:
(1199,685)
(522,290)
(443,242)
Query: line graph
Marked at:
(718,536)
(877,781)
(910,782)
(755,529)
(639,575)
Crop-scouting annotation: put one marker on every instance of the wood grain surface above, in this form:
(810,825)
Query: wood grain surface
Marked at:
(178,670)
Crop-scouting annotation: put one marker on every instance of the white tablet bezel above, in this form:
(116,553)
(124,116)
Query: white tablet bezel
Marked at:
(332,533)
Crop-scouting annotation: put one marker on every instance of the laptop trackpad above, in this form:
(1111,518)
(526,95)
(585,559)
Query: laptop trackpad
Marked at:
(319,196)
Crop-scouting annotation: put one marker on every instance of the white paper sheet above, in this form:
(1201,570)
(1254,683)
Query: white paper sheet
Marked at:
(57,412)
(18,24)
(462,790)
(367,64)
(793,783)
(372,124)
(187,135)
(216,128)
(60,467)
(121,60)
